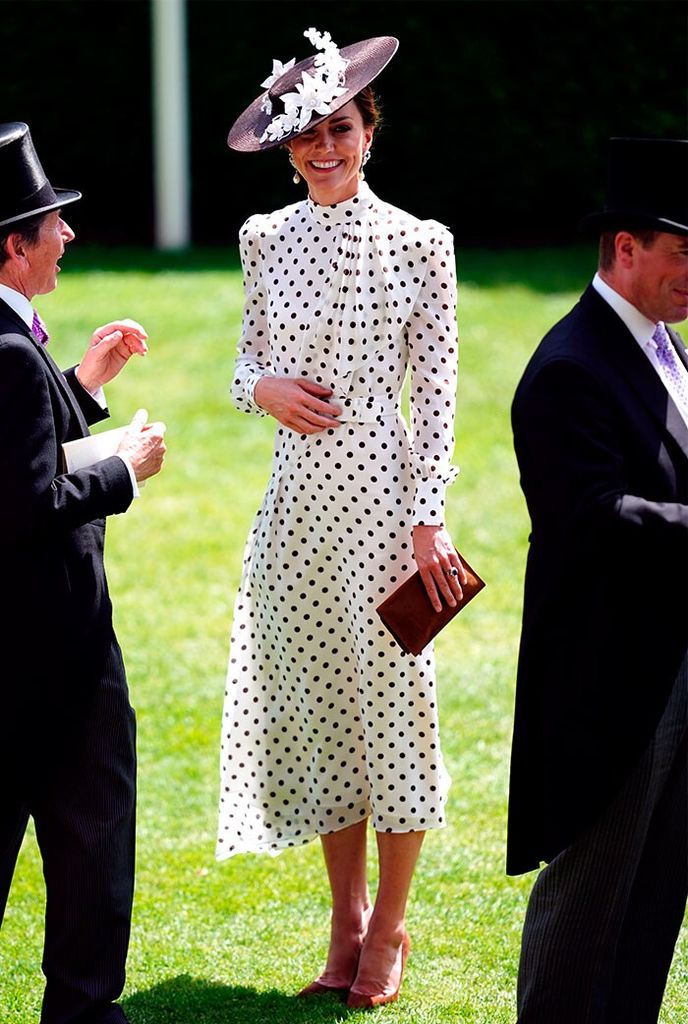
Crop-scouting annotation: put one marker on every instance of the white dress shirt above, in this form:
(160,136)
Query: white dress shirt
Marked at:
(642,330)
(23,308)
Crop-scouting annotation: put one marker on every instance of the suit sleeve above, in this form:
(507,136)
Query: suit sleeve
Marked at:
(569,443)
(93,412)
(37,502)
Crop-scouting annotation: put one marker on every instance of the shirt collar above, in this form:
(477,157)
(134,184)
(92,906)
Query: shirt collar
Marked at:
(347,212)
(19,303)
(637,323)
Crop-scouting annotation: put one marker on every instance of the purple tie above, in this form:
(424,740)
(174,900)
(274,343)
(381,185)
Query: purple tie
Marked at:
(38,328)
(672,368)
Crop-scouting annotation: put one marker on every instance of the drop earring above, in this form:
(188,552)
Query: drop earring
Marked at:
(364,161)
(297,177)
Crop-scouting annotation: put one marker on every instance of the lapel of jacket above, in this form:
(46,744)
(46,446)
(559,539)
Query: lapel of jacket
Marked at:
(679,345)
(628,359)
(676,424)
(55,372)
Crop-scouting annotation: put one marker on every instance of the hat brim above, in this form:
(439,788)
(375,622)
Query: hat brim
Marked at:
(626,220)
(63,197)
(366,60)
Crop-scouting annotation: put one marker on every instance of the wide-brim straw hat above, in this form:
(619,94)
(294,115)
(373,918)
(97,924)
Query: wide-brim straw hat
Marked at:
(366,60)
(647,187)
(24,188)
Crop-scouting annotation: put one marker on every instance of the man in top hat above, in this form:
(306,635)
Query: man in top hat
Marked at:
(599,786)
(67,753)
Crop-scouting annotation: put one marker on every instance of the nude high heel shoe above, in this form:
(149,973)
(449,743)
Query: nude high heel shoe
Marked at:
(319,988)
(365,1001)
(316,988)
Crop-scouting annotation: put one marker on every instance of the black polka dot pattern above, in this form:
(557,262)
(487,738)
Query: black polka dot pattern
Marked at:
(326,722)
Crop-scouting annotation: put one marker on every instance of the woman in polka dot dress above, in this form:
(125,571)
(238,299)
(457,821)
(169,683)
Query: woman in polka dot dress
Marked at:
(326,722)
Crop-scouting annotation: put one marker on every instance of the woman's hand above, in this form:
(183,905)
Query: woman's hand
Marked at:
(297,403)
(440,567)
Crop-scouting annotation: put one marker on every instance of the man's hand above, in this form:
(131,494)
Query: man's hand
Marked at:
(144,446)
(109,349)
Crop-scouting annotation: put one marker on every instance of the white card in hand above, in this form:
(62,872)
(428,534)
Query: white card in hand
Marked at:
(86,451)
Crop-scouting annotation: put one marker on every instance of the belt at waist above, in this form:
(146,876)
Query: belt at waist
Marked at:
(366,408)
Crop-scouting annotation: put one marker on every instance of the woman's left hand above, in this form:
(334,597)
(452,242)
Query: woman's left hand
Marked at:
(440,566)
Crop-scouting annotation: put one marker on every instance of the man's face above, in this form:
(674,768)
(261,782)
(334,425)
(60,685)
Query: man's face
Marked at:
(42,257)
(659,278)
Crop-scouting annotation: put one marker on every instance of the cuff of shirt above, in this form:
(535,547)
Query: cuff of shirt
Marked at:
(132,476)
(251,387)
(98,395)
(428,503)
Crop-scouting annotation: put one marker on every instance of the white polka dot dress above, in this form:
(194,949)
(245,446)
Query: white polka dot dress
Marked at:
(326,721)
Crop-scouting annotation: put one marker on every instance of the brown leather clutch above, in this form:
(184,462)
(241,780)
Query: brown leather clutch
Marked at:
(411,619)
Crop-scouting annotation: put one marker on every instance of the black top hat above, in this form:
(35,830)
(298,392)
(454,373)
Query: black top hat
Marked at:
(364,61)
(647,187)
(24,188)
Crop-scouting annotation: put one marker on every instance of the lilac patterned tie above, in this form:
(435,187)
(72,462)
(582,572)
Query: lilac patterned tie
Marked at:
(672,368)
(38,328)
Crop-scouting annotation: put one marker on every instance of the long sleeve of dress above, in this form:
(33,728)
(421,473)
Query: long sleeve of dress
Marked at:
(433,351)
(253,351)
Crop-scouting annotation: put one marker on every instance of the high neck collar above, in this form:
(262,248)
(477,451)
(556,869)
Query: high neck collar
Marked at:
(346,212)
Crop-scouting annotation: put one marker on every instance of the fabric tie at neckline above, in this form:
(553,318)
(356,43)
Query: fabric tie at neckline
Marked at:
(669,362)
(38,329)
(349,211)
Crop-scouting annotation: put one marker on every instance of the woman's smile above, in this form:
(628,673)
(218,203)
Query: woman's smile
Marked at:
(339,143)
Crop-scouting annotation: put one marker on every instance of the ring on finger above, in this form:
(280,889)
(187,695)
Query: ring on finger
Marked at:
(451,572)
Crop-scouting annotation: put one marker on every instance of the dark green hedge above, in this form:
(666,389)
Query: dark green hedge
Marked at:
(497,113)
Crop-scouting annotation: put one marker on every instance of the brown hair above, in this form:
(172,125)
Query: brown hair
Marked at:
(607,257)
(28,230)
(367,103)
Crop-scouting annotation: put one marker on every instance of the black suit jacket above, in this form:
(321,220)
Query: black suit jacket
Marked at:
(55,612)
(603,457)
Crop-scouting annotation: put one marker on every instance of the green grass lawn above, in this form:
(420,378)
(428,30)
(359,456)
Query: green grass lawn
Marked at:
(230,943)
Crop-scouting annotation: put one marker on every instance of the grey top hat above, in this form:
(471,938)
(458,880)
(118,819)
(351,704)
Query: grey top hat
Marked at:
(300,96)
(647,187)
(24,187)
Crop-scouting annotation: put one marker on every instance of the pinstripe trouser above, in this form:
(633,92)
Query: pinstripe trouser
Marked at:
(80,791)
(604,915)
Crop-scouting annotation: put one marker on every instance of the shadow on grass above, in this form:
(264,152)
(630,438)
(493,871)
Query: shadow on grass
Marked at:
(126,260)
(539,269)
(187,1000)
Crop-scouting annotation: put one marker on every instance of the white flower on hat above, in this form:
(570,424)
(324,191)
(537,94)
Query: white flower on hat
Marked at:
(313,94)
(278,69)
